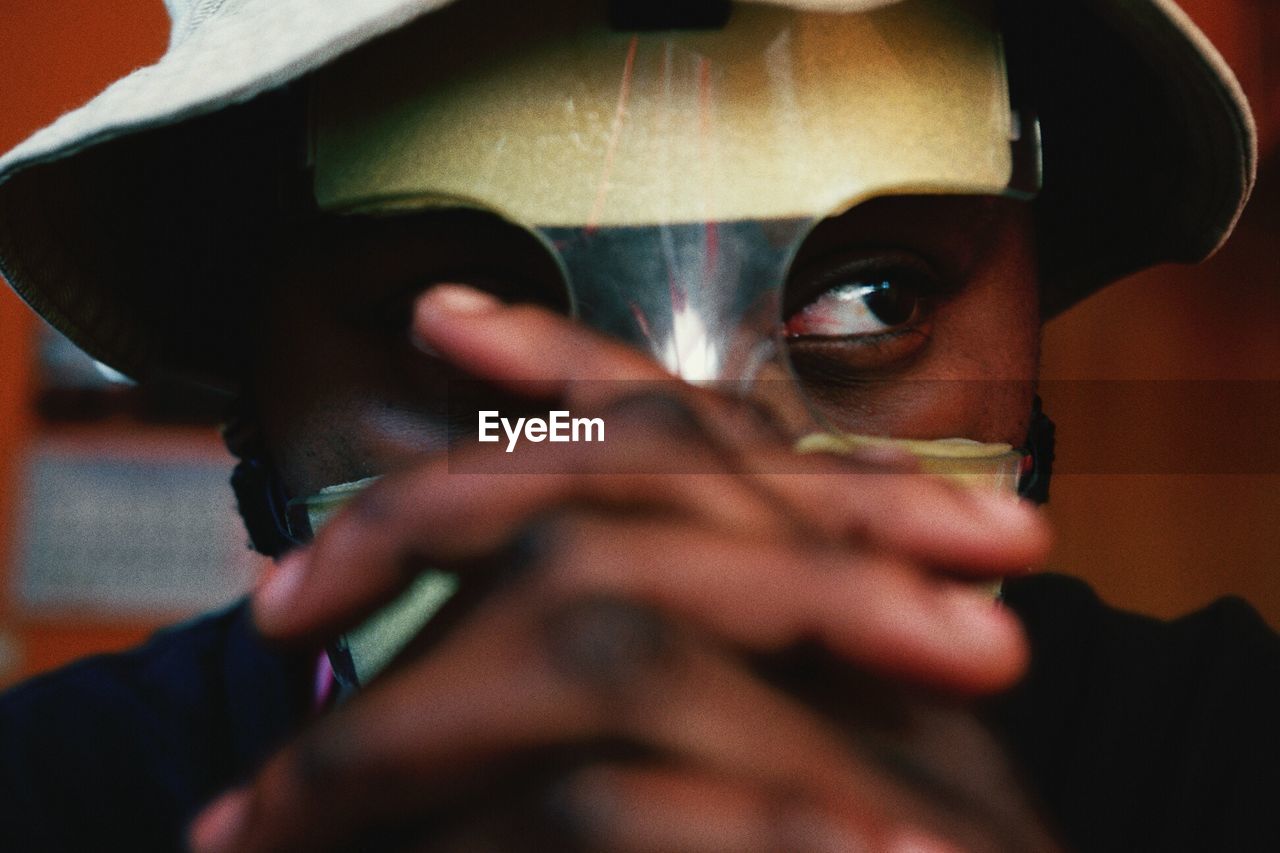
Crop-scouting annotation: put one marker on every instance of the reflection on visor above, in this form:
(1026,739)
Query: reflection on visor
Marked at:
(704,299)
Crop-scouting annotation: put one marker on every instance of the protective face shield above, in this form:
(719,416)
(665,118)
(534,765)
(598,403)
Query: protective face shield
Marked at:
(673,175)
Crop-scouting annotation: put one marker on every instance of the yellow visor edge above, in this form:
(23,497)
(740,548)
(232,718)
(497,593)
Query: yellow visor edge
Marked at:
(549,118)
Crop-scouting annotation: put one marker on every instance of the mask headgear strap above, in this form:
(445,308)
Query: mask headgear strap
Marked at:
(1034,482)
(260,494)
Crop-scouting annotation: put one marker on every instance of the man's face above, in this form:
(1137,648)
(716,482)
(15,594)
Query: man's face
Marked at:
(947,348)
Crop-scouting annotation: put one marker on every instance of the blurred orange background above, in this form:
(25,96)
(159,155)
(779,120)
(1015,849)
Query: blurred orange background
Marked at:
(1161,544)
(1166,544)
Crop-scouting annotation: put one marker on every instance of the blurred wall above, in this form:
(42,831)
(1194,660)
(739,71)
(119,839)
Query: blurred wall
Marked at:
(53,56)
(1165,541)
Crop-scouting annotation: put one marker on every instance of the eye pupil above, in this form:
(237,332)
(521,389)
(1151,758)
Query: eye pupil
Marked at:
(859,304)
(893,306)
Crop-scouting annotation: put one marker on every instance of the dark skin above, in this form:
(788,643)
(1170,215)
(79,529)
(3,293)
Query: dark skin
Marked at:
(619,687)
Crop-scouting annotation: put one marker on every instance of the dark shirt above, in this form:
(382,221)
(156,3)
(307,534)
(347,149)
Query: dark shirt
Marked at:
(119,752)
(1137,734)
(1147,735)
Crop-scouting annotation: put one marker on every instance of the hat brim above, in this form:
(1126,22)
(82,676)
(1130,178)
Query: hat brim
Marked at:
(130,224)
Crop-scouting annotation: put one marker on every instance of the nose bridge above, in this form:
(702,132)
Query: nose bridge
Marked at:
(703,298)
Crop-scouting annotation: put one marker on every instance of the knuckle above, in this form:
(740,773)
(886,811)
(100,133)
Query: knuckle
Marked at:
(612,646)
(581,803)
(762,420)
(585,555)
(330,761)
(546,544)
(319,760)
(666,409)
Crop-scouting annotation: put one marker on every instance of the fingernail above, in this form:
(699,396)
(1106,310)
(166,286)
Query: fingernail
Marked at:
(443,304)
(914,841)
(457,300)
(278,590)
(585,805)
(220,825)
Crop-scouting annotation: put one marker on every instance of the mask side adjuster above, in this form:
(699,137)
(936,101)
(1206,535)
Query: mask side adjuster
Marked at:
(260,494)
(1033,484)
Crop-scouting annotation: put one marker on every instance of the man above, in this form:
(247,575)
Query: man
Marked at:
(685,636)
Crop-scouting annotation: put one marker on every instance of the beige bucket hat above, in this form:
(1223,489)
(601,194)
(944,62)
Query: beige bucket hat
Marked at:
(131,224)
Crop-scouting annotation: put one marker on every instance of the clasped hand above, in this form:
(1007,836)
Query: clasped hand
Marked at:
(614,674)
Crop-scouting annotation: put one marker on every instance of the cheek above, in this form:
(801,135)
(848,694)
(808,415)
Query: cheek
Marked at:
(992,411)
(338,405)
(993,343)
(991,351)
(977,377)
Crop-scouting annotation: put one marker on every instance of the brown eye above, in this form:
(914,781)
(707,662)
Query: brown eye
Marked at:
(855,309)
(857,316)
(862,303)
